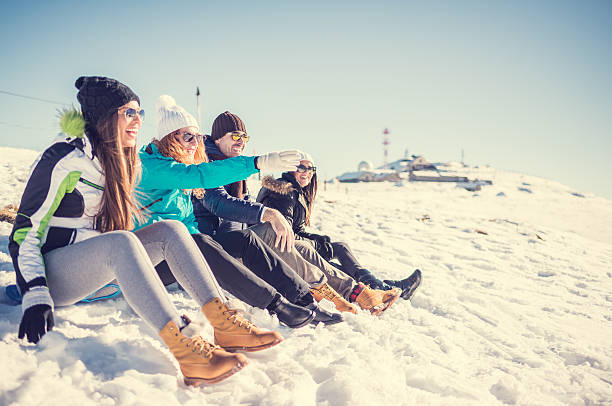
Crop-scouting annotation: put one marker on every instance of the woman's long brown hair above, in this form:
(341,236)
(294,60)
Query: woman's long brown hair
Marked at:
(121,167)
(171,147)
(310,192)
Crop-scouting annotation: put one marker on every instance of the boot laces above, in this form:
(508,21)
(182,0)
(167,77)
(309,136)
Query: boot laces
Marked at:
(236,317)
(201,346)
(327,292)
(371,297)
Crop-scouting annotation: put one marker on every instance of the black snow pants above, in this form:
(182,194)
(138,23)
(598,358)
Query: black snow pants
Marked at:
(257,279)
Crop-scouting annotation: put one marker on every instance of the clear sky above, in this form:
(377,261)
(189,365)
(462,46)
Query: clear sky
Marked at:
(520,85)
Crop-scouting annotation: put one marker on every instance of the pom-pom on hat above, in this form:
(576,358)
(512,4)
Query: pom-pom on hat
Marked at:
(100,97)
(226,123)
(171,117)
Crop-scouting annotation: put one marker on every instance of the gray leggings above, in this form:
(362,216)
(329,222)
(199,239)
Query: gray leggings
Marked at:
(77,270)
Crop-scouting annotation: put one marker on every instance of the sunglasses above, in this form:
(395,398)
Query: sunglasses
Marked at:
(131,114)
(236,135)
(302,168)
(188,137)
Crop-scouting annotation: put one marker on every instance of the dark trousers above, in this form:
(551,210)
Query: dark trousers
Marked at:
(350,266)
(257,281)
(257,256)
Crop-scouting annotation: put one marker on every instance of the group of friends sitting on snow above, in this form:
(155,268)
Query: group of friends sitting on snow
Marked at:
(99,216)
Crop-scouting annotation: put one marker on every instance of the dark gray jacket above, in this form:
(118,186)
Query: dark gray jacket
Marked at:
(219,212)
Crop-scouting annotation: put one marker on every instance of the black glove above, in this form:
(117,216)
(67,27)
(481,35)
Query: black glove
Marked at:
(319,238)
(36,321)
(315,237)
(326,251)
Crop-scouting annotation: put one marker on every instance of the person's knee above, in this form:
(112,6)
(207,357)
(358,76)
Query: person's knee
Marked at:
(205,238)
(121,240)
(252,237)
(175,228)
(305,246)
(208,244)
(264,231)
(340,246)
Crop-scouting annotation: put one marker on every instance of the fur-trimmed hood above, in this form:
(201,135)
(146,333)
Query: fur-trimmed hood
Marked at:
(280,186)
(286,196)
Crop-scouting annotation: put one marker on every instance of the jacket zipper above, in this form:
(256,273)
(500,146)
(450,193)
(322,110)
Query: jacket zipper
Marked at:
(151,204)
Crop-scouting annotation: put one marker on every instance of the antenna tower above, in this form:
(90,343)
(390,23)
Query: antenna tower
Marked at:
(385,145)
(198,106)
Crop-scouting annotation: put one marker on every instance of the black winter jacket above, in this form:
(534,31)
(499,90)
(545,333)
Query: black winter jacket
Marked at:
(287,196)
(218,211)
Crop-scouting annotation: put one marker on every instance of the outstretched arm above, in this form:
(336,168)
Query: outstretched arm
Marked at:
(222,204)
(160,172)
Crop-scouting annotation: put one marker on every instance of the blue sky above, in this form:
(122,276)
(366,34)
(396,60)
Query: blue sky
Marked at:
(519,85)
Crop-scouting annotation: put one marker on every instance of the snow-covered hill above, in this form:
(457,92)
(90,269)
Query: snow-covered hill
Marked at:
(515,308)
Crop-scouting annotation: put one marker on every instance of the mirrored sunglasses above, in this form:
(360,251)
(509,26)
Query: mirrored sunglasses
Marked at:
(131,114)
(302,168)
(237,135)
(188,137)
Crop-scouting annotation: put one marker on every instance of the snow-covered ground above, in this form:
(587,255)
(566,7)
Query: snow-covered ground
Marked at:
(515,308)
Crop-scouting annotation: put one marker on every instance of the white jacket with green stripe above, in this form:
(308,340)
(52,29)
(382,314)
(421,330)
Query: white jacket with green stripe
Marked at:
(58,208)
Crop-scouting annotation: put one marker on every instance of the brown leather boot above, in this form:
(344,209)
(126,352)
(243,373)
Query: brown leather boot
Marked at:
(200,361)
(234,332)
(374,300)
(327,292)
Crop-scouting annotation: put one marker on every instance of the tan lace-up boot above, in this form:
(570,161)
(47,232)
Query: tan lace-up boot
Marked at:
(327,292)
(200,361)
(376,301)
(234,332)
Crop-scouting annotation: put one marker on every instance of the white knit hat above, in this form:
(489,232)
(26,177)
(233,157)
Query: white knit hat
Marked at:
(171,117)
(305,156)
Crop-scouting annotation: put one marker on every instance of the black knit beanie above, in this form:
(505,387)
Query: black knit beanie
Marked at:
(226,123)
(100,97)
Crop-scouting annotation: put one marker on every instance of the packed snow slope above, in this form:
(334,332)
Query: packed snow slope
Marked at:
(515,308)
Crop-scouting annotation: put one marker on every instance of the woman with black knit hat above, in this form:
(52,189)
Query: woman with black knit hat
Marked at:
(71,236)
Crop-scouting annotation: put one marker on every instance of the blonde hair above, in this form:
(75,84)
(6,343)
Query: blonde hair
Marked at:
(171,147)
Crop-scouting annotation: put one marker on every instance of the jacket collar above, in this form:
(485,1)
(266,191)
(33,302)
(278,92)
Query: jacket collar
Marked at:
(81,143)
(301,197)
(212,148)
(151,150)
(291,179)
(87,147)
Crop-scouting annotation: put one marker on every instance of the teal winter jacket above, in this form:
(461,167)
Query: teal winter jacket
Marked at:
(165,185)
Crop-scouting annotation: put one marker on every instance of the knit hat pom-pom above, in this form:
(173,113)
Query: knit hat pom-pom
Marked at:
(165,102)
(172,117)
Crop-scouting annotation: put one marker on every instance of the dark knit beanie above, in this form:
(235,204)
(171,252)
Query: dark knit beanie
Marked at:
(100,97)
(226,123)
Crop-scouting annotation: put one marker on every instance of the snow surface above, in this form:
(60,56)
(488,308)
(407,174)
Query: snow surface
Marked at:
(515,308)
